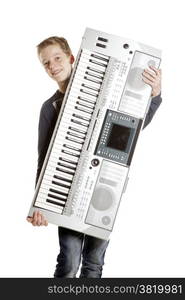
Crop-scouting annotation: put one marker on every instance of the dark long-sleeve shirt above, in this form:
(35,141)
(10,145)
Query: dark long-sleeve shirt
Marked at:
(48,117)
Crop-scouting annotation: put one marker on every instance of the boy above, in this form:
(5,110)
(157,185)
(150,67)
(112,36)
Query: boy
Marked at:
(56,57)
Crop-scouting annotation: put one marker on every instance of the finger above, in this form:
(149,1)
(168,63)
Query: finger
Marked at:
(148,81)
(44,221)
(157,71)
(29,219)
(148,74)
(148,77)
(35,218)
(39,218)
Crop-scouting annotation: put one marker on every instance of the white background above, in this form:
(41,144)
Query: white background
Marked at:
(148,237)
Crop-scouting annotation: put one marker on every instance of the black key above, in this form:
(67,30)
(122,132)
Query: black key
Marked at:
(54,202)
(85,105)
(61,184)
(58,192)
(86,100)
(65,171)
(94,75)
(90,87)
(77,130)
(84,110)
(99,57)
(95,70)
(75,135)
(92,80)
(88,93)
(66,166)
(80,123)
(97,62)
(81,117)
(67,180)
(70,153)
(74,140)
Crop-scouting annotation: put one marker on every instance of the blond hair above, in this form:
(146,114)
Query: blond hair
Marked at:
(53,40)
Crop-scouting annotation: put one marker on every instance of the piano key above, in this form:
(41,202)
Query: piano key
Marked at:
(77,135)
(70,109)
(48,179)
(90,53)
(82,117)
(48,193)
(54,157)
(74,140)
(53,208)
(97,57)
(68,177)
(86,64)
(68,146)
(55,182)
(53,167)
(70,153)
(59,146)
(55,202)
(57,192)
(85,99)
(81,78)
(84,103)
(95,70)
(48,187)
(42,199)
(89,78)
(66,165)
(90,87)
(67,125)
(76,129)
(106,59)
(90,62)
(65,171)
(67,160)
(87,92)
(62,172)
(71,160)
(73,120)
(93,74)
(75,93)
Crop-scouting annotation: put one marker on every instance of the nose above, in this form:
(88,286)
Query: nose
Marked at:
(52,66)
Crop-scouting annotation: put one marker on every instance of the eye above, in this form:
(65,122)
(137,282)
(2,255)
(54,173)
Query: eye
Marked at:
(45,64)
(58,58)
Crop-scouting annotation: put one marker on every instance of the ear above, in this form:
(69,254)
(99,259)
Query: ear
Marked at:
(72,59)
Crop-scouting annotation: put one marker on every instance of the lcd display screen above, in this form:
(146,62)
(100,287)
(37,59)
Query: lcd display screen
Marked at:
(119,137)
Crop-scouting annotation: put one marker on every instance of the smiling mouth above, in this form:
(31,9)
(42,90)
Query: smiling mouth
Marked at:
(56,73)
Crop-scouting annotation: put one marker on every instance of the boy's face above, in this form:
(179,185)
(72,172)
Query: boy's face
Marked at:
(56,63)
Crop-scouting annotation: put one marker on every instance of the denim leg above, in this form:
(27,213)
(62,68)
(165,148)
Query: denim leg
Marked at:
(93,257)
(70,253)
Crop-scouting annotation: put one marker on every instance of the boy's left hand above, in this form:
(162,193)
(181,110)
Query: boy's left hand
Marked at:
(153,78)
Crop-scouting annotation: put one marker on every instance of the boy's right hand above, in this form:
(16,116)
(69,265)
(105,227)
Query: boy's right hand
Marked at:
(38,219)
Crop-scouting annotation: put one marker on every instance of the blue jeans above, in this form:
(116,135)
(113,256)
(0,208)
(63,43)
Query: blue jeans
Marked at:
(73,246)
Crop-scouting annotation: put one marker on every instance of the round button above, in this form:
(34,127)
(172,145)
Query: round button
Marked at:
(95,162)
(126,46)
(106,220)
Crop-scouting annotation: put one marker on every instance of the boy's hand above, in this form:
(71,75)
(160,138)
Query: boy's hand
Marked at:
(153,78)
(38,219)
